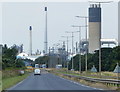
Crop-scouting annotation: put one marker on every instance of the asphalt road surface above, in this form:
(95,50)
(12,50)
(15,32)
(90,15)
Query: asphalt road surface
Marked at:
(47,81)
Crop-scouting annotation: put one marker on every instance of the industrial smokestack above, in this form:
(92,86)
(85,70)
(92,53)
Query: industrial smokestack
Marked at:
(46,42)
(30,28)
(45,8)
(119,23)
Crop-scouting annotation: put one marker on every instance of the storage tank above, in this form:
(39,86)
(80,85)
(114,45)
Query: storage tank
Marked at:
(94,27)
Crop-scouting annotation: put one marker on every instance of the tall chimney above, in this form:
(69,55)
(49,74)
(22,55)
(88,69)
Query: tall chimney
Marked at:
(30,28)
(46,42)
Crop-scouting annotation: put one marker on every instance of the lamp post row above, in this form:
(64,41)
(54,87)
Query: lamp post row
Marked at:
(72,46)
(72,32)
(85,17)
(79,45)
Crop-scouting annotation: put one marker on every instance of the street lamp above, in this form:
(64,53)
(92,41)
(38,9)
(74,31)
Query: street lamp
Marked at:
(62,55)
(67,46)
(67,41)
(85,17)
(79,45)
(72,47)
(56,47)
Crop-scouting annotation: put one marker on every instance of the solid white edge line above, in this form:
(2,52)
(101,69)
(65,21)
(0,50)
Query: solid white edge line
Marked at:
(14,86)
(80,84)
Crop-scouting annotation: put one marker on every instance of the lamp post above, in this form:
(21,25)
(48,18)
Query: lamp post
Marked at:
(67,46)
(85,17)
(67,41)
(72,46)
(79,45)
(62,55)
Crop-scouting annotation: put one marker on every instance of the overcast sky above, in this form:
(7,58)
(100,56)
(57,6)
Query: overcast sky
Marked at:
(17,17)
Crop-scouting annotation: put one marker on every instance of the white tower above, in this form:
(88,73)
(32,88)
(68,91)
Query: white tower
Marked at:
(46,42)
(30,28)
(119,23)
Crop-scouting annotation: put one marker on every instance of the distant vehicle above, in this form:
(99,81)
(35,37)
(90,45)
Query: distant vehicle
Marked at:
(37,66)
(43,65)
(29,67)
(59,66)
(37,72)
(72,69)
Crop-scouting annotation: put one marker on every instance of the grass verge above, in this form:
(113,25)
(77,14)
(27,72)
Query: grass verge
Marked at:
(0,81)
(88,83)
(105,75)
(11,81)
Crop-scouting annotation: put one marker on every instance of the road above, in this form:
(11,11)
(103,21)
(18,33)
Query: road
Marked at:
(47,81)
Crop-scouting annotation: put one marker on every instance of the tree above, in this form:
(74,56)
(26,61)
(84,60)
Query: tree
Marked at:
(19,63)
(9,57)
(109,56)
(42,60)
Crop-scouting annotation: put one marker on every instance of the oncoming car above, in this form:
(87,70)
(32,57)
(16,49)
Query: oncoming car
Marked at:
(37,72)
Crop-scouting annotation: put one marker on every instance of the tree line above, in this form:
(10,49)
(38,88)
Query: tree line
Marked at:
(9,59)
(109,56)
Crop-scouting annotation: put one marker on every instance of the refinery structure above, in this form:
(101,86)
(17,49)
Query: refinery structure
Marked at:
(93,42)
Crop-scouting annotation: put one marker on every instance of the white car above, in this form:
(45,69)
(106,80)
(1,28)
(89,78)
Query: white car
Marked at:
(37,72)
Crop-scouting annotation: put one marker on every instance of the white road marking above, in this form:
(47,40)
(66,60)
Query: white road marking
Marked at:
(59,77)
(17,84)
(79,83)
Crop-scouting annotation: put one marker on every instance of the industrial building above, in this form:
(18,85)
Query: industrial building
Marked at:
(109,43)
(94,27)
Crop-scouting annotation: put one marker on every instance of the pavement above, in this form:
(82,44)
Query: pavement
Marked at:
(48,81)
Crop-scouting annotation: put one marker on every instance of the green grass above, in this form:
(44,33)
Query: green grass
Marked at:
(10,76)
(60,73)
(89,74)
(11,81)
(118,89)
(0,81)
